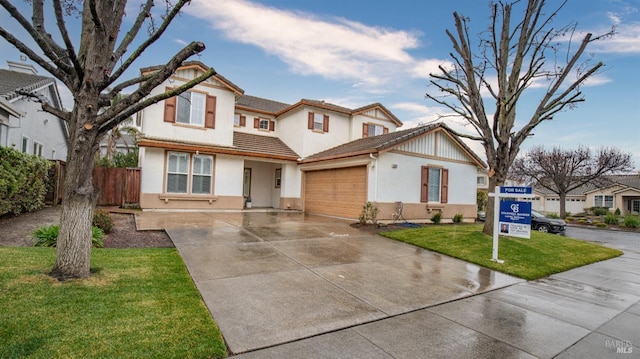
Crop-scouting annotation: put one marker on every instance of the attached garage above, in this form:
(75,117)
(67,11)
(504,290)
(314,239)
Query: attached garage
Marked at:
(337,192)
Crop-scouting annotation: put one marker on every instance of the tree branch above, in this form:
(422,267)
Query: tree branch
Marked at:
(44,102)
(155,36)
(155,80)
(46,44)
(126,113)
(71,52)
(132,33)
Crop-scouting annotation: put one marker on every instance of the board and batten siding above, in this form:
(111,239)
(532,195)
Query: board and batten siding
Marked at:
(435,144)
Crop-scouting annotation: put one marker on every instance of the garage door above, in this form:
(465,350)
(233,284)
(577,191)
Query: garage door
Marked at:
(337,192)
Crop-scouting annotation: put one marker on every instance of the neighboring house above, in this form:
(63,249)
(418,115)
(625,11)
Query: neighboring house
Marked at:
(23,124)
(214,147)
(124,144)
(613,192)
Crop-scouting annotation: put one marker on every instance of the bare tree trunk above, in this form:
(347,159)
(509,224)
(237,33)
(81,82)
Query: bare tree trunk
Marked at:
(563,205)
(79,197)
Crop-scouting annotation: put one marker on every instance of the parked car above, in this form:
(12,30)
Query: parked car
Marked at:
(542,223)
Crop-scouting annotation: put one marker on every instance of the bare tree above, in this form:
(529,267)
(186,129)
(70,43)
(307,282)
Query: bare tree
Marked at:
(561,171)
(513,55)
(91,67)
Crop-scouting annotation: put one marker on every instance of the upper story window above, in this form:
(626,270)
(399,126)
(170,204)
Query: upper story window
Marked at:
(481,180)
(318,122)
(239,120)
(264,124)
(191,108)
(369,130)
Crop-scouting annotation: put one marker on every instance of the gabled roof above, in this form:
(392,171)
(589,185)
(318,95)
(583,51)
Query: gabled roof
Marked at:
(340,109)
(202,67)
(360,110)
(11,81)
(258,104)
(376,144)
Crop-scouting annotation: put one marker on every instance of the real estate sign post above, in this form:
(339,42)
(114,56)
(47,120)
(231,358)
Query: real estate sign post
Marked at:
(513,218)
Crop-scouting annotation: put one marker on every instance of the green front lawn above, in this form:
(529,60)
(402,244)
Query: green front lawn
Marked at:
(138,303)
(541,255)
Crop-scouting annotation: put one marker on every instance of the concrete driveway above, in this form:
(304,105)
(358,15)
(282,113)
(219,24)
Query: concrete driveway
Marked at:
(275,277)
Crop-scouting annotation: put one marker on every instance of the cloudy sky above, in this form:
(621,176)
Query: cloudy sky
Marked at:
(356,52)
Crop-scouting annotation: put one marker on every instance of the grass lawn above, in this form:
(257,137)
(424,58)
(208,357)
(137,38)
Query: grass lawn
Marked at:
(541,255)
(138,303)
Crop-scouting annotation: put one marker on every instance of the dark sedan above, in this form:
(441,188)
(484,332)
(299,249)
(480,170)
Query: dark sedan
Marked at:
(542,223)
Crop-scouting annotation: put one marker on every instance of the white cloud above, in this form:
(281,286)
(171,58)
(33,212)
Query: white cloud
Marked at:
(625,41)
(335,48)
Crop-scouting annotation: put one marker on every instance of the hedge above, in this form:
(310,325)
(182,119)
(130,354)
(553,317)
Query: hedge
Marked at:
(23,180)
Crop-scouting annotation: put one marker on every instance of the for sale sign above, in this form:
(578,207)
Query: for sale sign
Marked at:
(515,218)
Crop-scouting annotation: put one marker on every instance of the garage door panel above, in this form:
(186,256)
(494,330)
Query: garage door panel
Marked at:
(338,192)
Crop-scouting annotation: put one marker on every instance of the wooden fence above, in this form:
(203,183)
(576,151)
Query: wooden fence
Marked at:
(118,186)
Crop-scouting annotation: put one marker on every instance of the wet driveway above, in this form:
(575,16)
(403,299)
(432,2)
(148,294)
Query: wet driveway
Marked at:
(274,277)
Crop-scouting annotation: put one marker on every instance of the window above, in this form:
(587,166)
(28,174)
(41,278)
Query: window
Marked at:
(369,130)
(318,122)
(481,180)
(178,173)
(37,148)
(25,145)
(264,124)
(634,206)
(202,172)
(603,201)
(434,185)
(191,108)
(239,120)
(278,177)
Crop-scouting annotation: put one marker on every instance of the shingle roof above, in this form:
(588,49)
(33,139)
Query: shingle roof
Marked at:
(261,104)
(382,142)
(10,81)
(262,144)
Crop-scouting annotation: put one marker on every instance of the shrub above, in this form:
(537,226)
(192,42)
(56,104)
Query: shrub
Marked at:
(569,218)
(631,221)
(601,225)
(599,211)
(553,215)
(48,236)
(617,212)
(436,218)
(611,218)
(102,219)
(23,181)
(458,218)
(369,214)
(583,221)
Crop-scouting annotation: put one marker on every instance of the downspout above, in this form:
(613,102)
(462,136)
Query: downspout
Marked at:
(375,188)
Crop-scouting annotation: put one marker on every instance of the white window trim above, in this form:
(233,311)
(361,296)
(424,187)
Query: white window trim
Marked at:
(24,144)
(265,121)
(318,121)
(190,173)
(196,115)
(430,185)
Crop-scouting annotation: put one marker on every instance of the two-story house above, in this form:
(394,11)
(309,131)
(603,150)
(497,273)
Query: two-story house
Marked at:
(214,147)
(23,124)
